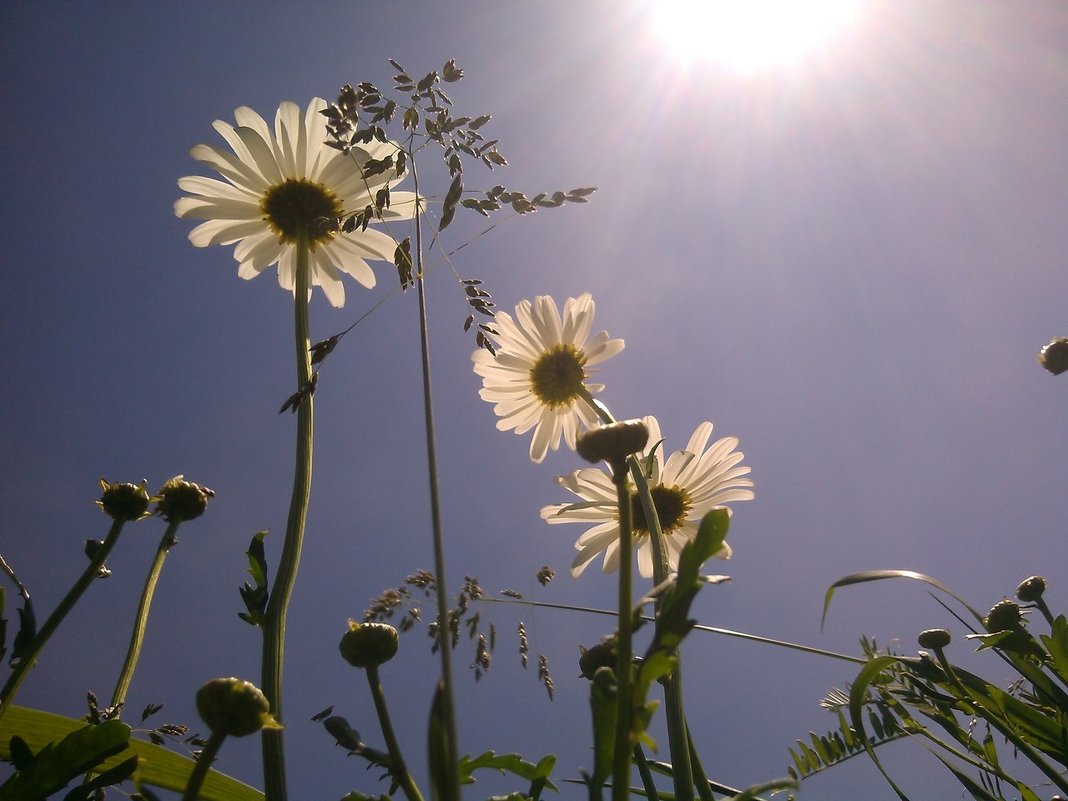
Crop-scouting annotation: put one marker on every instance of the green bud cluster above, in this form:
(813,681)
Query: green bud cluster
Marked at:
(1031,589)
(1054,355)
(234,707)
(612,443)
(934,638)
(1004,616)
(124,501)
(367,645)
(181,500)
(603,654)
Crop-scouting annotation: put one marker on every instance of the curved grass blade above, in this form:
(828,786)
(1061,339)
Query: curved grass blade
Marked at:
(865,576)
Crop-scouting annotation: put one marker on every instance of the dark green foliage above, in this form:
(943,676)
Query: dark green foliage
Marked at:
(962,717)
(57,764)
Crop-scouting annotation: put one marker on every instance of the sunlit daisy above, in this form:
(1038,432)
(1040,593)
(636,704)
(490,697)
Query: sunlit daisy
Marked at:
(538,377)
(278,185)
(692,482)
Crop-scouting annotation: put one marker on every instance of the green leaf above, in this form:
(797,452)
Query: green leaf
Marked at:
(56,764)
(505,763)
(158,766)
(255,595)
(1057,645)
(774,786)
(857,693)
(117,775)
(977,791)
(878,575)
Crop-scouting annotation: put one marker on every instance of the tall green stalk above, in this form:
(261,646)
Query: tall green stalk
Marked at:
(451,789)
(397,765)
(622,754)
(678,741)
(18,675)
(203,765)
(274,623)
(137,637)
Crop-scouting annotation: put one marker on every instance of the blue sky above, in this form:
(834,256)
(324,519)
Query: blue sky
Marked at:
(849,264)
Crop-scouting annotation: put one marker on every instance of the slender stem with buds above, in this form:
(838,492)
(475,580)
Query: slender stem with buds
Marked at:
(14,681)
(274,624)
(137,637)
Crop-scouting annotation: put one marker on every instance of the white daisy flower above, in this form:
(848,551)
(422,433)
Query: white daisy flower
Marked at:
(537,378)
(277,185)
(692,482)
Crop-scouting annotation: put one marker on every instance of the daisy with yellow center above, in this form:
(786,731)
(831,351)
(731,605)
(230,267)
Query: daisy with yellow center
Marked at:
(691,483)
(537,379)
(279,189)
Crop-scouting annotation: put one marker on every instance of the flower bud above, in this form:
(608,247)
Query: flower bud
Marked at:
(1004,616)
(368,644)
(181,500)
(124,501)
(1031,589)
(612,443)
(234,707)
(603,654)
(1054,355)
(934,638)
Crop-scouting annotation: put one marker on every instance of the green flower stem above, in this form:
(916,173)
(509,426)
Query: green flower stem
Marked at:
(399,769)
(678,742)
(621,755)
(137,638)
(274,623)
(451,790)
(203,765)
(646,775)
(14,681)
(704,789)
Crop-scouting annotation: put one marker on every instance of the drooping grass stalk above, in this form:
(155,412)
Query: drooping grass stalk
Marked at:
(137,637)
(274,624)
(203,765)
(793,646)
(18,675)
(451,790)
(622,753)
(398,767)
(678,742)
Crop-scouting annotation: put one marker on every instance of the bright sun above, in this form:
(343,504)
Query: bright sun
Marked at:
(748,35)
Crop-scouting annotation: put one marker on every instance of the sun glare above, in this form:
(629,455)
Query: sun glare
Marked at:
(749,35)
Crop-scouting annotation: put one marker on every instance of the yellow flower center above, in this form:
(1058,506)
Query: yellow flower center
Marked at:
(556,378)
(671,504)
(293,207)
